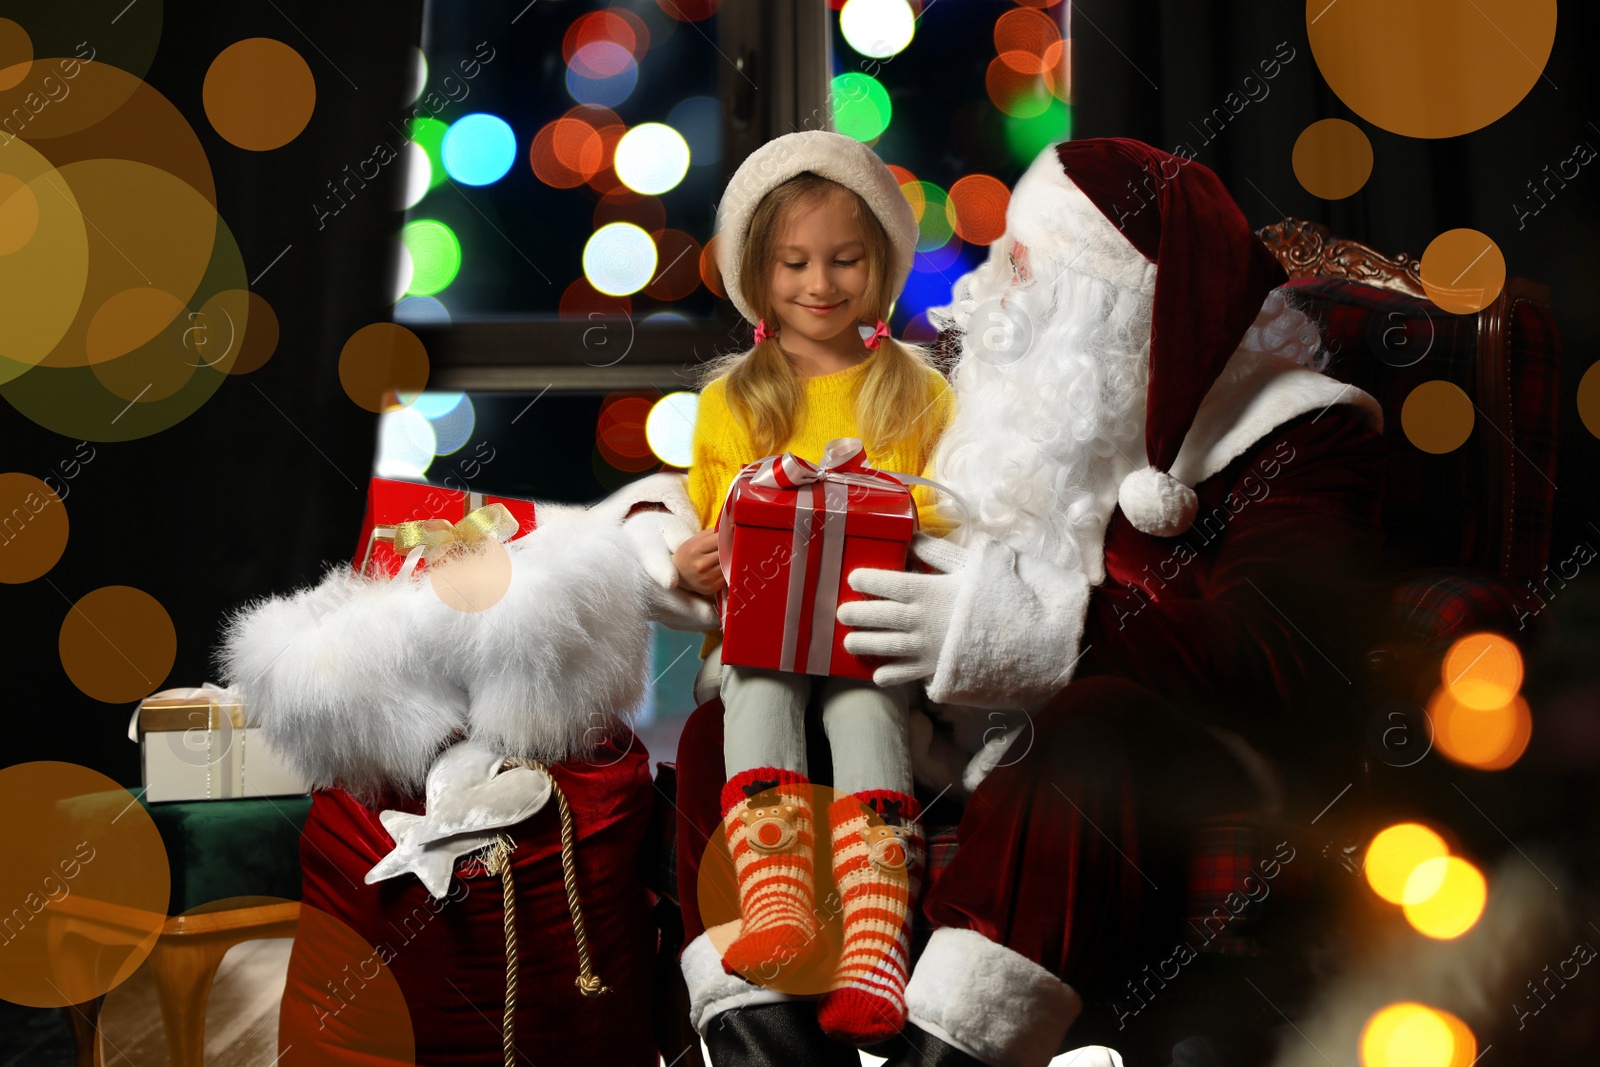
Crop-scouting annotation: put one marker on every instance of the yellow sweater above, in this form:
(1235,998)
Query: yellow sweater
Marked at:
(722,447)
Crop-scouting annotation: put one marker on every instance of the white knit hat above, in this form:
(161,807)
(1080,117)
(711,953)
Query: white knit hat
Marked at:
(833,156)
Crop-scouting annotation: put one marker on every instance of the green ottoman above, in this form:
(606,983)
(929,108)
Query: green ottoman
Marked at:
(235,868)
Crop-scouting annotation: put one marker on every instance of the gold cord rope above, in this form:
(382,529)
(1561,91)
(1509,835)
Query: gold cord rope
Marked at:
(498,862)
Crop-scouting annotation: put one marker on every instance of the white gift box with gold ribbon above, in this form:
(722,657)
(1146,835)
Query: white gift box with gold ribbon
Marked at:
(194,745)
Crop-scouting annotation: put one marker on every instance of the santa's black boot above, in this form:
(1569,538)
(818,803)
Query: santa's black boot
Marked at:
(784,1034)
(915,1047)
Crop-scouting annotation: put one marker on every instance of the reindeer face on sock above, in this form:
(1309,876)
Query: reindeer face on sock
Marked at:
(769,820)
(885,835)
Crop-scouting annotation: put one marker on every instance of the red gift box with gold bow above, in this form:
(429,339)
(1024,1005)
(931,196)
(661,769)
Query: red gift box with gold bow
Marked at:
(405,519)
(789,536)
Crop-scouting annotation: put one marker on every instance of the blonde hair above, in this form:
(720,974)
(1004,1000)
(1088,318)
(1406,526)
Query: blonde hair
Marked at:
(762,388)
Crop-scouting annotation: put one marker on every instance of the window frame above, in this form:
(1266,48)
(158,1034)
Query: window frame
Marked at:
(779,52)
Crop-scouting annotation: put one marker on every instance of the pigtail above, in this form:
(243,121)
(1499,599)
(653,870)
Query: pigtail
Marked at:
(893,406)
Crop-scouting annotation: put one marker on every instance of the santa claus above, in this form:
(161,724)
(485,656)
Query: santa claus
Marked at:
(1151,607)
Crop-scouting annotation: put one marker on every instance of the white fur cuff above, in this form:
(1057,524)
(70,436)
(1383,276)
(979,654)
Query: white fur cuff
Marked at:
(1014,631)
(713,990)
(988,1001)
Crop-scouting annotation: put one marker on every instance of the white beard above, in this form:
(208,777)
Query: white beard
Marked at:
(1050,402)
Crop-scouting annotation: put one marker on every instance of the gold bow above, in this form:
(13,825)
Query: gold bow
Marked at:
(436,536)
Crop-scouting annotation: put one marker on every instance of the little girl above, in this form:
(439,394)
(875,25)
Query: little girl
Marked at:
(814,242)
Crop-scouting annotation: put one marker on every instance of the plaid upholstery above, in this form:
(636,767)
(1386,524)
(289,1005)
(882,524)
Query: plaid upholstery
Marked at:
(1451,509)
(1432,608)
(1223,857)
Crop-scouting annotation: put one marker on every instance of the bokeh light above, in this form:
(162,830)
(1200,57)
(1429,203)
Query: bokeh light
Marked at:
(1463,271)
(1490,739)
(1027,40)
(1483,670)
(699,119)
(418,171)
(566,153)
(933,220)
(1437,416)
(1395,853)
(422,311)
(1332,159)
(435,255)
(453,428)
(259,94)
(939,260)
(861,106)
(405,439)
(580,300)
(877,28)
(381,361)
(613,25)
(404,269)
(36,527)
(427,133)
(1020,95)
(479,149)
(619,259)
(607,90)
(1420,69)
(419,75)
(709,274)
(1026,137)
(118,644)
(1589,399)
(1444,897)
(690,10)
(1414,1035)
(652,158)
(977,208)
(679,274)
(669,428)
(620,433)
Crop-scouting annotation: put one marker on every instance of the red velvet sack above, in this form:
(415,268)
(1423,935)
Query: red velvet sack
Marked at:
(448,956)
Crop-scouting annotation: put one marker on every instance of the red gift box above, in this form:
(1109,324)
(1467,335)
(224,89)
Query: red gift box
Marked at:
(390,503)
(789,536)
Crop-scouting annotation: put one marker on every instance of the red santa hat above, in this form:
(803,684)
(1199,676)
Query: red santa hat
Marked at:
(1148,220)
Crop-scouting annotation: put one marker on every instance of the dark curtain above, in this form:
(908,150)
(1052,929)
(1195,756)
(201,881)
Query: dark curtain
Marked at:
(250,494)
(1157,69)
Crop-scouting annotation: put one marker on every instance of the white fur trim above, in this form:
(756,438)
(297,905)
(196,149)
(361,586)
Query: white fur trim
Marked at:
(558,659)
(1014,631)
(988,1001)
(1157,503)
(349,679)
(833,156)
(1254,395)
(712,990)
(1063,230)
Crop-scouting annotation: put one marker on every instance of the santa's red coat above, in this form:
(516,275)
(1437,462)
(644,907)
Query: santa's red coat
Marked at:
(1251,621)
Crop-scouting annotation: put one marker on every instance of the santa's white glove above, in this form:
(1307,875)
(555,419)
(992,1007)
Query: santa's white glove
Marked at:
(655,536)
(909,623)
(996,630)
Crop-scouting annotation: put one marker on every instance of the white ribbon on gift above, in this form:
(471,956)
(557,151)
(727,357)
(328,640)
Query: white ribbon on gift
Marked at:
(826,486)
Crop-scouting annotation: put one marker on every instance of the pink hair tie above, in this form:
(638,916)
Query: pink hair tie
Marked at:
(762,333)
(881,331)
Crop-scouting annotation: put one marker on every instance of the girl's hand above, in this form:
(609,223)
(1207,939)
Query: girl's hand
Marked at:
(699,570)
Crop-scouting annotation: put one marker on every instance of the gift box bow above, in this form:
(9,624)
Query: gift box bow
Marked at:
(843,465)
(429,539)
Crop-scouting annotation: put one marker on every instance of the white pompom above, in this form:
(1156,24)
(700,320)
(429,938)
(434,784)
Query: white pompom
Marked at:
(1157,503)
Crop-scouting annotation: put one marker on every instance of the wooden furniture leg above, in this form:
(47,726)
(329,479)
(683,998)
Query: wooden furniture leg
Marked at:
(86,1031)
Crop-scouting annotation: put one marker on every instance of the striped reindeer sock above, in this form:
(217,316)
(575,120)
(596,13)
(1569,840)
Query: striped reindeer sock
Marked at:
(877,862)
(771,835)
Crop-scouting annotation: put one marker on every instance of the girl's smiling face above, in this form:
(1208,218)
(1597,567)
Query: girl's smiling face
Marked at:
(820,277)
